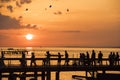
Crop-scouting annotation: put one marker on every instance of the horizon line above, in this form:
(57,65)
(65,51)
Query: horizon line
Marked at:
(70,46)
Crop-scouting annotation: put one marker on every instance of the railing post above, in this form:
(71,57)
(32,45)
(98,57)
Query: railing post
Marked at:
(0,76)
(43,75)
(93,75)
(48,75)
(103,71)
(57,75)
(35,75)
(86,74)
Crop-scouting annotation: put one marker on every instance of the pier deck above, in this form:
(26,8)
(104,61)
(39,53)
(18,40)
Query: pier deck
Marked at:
(42,67)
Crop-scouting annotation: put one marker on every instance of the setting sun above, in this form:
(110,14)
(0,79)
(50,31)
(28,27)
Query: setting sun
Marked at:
(29,36)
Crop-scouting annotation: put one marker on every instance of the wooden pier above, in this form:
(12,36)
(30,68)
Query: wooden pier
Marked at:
(12,72)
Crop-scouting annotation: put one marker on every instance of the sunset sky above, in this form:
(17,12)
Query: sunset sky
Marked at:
(85,23)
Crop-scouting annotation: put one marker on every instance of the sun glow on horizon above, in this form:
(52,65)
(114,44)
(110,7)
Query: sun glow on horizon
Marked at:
(29,36)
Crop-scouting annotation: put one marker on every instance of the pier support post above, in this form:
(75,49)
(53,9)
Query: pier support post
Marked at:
(35,75)
(103,71)
(43,75)
(57,75)
(48,75)
(11,76)
(0,76)
(93,75)
(23,76)
(86,74)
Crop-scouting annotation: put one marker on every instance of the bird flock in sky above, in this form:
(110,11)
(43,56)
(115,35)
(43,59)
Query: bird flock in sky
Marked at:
(19,3)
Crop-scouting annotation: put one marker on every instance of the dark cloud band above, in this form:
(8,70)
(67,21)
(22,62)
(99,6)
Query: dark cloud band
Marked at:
(7,22)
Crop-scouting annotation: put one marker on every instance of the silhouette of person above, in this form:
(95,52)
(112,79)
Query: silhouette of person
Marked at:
(117,59)
(33,60)
(83,59)
(66,58)
(80,58)
(111,59)
(88,58)
(100,55)
(23,60)
(93,57)
(2,59)
(59,59)
(48,58)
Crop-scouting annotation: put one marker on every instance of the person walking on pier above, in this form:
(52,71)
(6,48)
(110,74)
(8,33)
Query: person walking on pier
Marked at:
(93,57)
(23,60)
(100,55)
(88,58)
(117,59)
(66,58)
(111,60)
(83,59)
(59,59)
(48,58)
(33,59)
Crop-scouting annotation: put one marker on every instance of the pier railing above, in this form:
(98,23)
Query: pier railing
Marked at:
(54,61)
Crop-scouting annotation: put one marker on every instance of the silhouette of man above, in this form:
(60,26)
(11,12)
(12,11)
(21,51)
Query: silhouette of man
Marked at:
(93,56)
(88,58)
(33,60)
(111,59)
(48,58)
(80,59)
(66,58)
(117,59)
(23,60)
(100,55)
(59,58)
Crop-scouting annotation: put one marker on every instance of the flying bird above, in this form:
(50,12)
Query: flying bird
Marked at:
(68,10)
(50,6)
(26,9)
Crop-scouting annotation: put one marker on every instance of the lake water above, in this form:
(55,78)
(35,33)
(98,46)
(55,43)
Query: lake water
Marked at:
(72,51)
